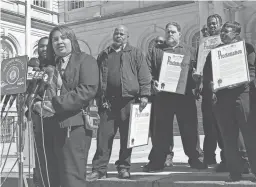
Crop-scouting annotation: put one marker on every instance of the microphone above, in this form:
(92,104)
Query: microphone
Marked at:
(33,75)
(49,87)
(34,62)
(43,83)
(49,71)
(34,71)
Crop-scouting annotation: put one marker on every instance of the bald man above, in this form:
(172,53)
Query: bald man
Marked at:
(124,79)
(159,42)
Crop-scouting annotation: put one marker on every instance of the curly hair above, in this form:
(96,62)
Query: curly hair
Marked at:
(216,16)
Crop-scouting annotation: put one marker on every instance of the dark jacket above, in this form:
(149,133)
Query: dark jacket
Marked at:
(155,56)
(135,76)
(80,85)
(207,74)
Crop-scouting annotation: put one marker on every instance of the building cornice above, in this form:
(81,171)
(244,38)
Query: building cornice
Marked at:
(135,11)
(13,17)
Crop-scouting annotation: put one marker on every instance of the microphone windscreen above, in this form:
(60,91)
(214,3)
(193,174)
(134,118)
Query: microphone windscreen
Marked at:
(36,69)
(49,70)
(34,62)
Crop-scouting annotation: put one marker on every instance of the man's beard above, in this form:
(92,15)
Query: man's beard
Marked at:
(171,43)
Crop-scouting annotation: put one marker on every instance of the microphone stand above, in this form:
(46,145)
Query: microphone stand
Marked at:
(20,112)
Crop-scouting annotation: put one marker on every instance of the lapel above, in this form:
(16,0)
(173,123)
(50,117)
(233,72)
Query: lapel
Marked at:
(69,73)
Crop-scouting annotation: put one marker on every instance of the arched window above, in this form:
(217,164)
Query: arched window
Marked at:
(6,50)
(84,46)
(196,40)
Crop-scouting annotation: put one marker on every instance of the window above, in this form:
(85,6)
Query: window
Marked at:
(196,40)
(6,50)
(76,4)
(40,3)
(84,46)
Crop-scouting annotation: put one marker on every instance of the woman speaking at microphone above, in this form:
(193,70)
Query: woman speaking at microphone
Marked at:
(75,83)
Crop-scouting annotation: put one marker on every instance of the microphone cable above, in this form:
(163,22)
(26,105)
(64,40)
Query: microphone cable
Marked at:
(38,159)
(42,128)
(35,144)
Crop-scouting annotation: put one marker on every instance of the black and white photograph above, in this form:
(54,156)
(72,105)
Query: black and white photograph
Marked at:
(128,93)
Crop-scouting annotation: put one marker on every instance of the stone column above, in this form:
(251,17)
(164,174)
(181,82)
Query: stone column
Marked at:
(248,37)
(218,8)
(66,4)
(239,18)
(203,13)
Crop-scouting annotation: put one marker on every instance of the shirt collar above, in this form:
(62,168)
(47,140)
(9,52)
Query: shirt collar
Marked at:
(166,47)
(66,58)
(117,50)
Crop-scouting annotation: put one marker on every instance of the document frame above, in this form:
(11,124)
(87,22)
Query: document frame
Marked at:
(174,73)
(205,46)
(139,124)
(229,65)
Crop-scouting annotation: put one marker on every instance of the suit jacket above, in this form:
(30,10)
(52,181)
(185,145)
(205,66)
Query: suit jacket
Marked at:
(80,85)
(135,76)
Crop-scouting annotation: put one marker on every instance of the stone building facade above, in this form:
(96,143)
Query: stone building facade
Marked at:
(94,21)
(44,16)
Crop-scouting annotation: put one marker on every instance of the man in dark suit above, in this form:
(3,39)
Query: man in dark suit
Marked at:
(124,78)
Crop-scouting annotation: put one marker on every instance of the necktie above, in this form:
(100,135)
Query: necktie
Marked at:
(59,75)
(60,64)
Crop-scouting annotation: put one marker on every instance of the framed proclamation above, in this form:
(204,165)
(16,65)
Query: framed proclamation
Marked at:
(205,46)
(174,73)
(229,65)
(138,133)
